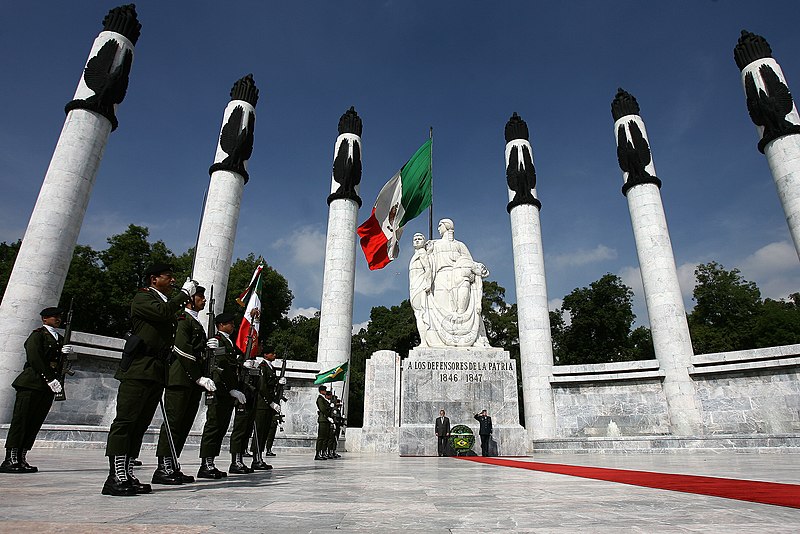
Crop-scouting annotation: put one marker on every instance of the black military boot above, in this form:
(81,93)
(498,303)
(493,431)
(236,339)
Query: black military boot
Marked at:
(185,479)
(269,453)
(260,465)
(117,483)
(11,463)
(164,474)
(209,470)
(237,465)
(138,486)
(319,456)
(23,462)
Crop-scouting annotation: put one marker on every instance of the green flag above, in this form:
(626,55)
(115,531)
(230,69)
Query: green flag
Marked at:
(336,374)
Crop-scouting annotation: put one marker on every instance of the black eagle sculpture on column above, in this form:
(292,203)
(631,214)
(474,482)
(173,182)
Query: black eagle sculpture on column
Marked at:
(236,137)
(347,169)
(109,83)
(633,154)
(520,173)
(769,108)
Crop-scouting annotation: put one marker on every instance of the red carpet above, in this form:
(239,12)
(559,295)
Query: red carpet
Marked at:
(729,488)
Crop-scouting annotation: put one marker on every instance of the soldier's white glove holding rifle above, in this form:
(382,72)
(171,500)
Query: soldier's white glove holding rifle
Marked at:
(275,406)
(238,395)
(55,386)
(206,383)
(67,349)
(189,287)
(212,343)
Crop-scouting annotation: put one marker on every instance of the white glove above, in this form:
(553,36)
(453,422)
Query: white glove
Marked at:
(212,343)
(67,349)
(249,364)
(238,395)
(55,386)
(275,406)
(189,287)
(259,360)
(282,381)
(206,383)
(330,420)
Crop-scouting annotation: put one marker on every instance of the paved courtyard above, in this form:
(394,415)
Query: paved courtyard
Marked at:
(365,493)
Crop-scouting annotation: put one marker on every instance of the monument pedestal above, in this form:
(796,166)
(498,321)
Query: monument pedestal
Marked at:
(461,381)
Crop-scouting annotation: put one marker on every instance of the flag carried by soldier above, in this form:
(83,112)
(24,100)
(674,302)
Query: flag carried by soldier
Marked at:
(337,374)
(251,300)
(405,195)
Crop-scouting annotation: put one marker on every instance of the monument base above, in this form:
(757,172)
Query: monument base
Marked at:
(461,381)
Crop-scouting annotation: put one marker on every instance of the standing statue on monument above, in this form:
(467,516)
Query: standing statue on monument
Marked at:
(446,287)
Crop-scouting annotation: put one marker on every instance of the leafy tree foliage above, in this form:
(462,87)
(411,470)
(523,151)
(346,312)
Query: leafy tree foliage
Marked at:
(730,315)
(297,338)
(8,254)
(599,329)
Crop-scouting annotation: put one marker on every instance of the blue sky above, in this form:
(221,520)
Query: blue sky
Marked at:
(462,67)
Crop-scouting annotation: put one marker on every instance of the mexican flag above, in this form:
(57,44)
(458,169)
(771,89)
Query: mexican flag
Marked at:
(403,197)
(253,300)
(336,374)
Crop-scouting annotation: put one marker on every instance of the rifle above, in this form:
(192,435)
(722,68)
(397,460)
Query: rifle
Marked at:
(211,356)
(279,393)
(64,366)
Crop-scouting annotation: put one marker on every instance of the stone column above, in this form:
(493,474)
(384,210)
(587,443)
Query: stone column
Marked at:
(772,109)
(46,252)
(671,341)
(535,341)
(212,263)
(336,309)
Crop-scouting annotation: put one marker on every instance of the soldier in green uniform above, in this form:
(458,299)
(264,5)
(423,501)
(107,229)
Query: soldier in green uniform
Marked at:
(245,415)
(142,374)
(185,386)
(338,423)
(324,420)
(218,416)
(36,386)
(267,409)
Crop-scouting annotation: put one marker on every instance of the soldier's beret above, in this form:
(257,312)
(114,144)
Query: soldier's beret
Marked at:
(50,312)
(200,290)
(157,269)
(224,317)
(267,349)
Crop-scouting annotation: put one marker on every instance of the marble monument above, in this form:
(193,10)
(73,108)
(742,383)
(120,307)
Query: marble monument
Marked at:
(454,368)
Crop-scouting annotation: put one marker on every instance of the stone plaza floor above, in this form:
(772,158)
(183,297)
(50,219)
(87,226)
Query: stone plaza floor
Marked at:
(368,493)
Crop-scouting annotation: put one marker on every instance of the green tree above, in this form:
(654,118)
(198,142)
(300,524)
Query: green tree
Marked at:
(86,288)
(8,255)
(726,310)
(778,323)
(297,338)
(599,329)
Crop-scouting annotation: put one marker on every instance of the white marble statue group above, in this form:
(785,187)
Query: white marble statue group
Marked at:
(446,286)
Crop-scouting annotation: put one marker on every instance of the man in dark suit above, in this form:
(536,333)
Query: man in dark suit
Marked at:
(485,431)
(442,431)
(36,387)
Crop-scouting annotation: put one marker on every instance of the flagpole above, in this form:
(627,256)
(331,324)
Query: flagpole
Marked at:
(430,211)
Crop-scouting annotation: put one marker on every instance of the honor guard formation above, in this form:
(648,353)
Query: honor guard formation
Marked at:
(169,361)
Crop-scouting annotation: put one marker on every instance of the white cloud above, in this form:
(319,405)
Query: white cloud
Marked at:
(774,268)
(305,246)
(305,312)
(554,304)
(583,257)
(358,326)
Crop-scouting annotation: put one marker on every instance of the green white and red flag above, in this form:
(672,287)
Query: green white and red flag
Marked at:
(249,326)
(405,196)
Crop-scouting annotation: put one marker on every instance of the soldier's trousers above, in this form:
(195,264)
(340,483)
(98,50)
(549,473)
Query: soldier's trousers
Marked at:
(181,404)
(30,410)
(137,401)
(323,436)
(243,427)
(266,425)
(218,417)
